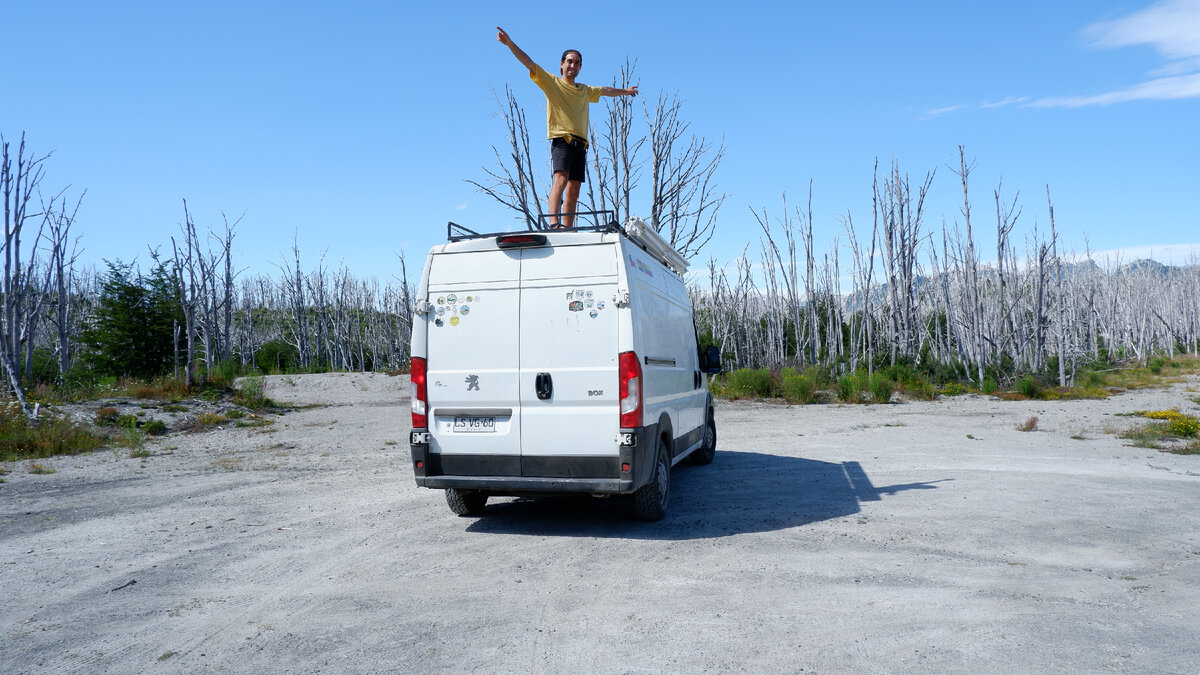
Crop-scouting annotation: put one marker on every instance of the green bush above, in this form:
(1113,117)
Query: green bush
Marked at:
(989,386)
(850,387)
(155,427)
(752,382)
(954,389)
(250,394)
(1028,387)
(1156,365)
(276,356)
(50,435)
(107,416)
(881,387)
(797,388)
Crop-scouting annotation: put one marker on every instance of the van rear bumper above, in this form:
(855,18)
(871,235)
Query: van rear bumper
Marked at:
(515,474)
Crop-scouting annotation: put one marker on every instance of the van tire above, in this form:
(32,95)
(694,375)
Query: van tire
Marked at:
(708,447)
(650,500)
(466,502)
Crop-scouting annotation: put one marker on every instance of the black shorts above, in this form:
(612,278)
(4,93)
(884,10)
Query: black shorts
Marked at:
(570,157)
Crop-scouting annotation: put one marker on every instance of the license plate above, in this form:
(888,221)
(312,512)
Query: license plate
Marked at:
(474,425)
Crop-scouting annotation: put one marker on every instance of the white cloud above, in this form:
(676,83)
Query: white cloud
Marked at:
(1012,100)
(1162,89)
(942,111)
(461,207)
(1172,28)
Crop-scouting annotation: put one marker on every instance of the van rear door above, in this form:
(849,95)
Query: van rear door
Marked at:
(568,360)
(473,335)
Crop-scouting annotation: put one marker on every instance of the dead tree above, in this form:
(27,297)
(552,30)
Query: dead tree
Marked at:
(684,199)
(19,183)
(514,183)
(615,164)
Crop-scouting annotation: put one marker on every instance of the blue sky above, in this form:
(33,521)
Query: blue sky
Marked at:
(352,126)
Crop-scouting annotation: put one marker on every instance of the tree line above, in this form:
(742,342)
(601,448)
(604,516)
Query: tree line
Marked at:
(191,314)
(897,291)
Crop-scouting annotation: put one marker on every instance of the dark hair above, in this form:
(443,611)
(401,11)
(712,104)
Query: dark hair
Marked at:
(571,51)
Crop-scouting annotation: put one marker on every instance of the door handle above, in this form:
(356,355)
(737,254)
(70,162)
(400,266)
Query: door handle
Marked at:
(544,386)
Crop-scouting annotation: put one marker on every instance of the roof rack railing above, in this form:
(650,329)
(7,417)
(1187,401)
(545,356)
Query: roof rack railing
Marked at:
(635,228)
(454,232)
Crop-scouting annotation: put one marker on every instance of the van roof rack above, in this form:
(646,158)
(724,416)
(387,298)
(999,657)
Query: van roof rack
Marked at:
(636,229)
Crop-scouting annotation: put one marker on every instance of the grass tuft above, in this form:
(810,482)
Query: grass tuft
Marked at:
(1030,424)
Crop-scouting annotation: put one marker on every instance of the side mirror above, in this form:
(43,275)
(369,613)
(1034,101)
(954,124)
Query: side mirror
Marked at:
(710,360)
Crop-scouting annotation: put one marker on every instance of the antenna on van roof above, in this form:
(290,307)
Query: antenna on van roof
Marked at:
(655,245)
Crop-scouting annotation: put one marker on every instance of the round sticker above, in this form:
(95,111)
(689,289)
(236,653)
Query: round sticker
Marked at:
(438,323)
(452,298)
(441,311)
(441,299)
(464,310)
(593,313)
(454,321)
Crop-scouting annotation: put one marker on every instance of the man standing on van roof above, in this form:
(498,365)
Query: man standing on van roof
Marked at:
(566,124)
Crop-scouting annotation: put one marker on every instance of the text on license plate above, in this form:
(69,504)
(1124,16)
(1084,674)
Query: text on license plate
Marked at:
(474,425)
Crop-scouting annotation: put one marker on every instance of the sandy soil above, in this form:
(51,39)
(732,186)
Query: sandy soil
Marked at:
(912,537)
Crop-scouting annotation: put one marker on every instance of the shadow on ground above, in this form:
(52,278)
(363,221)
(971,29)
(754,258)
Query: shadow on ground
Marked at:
(739,492)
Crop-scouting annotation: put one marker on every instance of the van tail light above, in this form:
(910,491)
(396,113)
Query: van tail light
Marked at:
(630,390)
(420,394)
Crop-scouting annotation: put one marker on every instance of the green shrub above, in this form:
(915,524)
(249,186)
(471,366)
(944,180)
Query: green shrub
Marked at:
(797,388)
(989,386)
(250,394)
(1156,365)
(752,382)
(954,389)
(107,416)
(127,421)
(1028,387)
(276,356)
(881,387)
(155,427)
(850,387)
(50,435)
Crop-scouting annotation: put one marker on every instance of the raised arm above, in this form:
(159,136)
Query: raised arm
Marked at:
(512,46)
(610,91)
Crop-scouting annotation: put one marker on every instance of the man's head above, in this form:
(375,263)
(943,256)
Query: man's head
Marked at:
(570,63)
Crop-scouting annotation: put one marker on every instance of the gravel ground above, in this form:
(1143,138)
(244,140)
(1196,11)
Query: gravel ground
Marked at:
(910,537)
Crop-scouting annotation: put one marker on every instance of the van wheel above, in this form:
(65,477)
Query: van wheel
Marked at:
(466,502)
(708,448)
(650,500)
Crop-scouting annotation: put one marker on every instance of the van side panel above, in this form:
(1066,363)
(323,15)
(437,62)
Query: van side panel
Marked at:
(666,344)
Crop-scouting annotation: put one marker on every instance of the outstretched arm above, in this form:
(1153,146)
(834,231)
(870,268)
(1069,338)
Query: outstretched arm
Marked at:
(610,91)
(512,46)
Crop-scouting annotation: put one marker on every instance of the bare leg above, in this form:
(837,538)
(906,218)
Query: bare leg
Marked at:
(570,200)
(556,196)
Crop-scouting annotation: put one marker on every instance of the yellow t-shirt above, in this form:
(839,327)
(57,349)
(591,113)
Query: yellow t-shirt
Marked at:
(566,104)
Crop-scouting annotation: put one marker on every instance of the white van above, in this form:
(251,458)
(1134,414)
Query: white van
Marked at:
(557,361)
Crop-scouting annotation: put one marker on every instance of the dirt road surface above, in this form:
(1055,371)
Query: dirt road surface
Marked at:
(911,537)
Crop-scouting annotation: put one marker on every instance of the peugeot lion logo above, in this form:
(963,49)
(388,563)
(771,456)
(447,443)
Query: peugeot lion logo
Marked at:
(472,382)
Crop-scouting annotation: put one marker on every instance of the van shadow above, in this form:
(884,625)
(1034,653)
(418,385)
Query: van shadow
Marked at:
(739,493)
